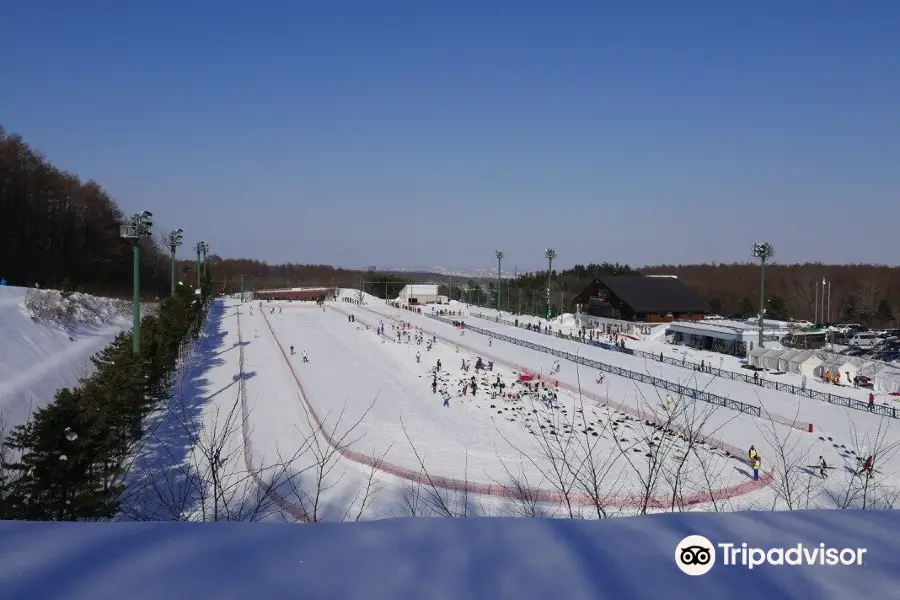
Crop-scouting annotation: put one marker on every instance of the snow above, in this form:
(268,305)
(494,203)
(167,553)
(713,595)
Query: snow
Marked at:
(655,344)
(443,558)
(387,431)
(37,357)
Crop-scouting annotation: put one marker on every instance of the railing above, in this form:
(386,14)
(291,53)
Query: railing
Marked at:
(677,388)
(884,411)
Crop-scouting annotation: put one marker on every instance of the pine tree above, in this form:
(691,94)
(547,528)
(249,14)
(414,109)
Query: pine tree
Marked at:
(850,310)
(777,308)
(747,308)
(884,314)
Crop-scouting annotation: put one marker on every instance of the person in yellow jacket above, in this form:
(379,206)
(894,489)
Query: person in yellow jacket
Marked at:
(756,468)
(752,455)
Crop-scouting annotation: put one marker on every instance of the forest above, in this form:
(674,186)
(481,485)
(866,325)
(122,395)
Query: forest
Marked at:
(62,232)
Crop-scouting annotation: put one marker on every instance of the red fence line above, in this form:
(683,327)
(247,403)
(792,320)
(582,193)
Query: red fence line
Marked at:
(459,485)
(296,511)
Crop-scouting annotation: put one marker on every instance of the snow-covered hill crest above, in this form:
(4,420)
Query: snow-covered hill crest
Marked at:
(46,341)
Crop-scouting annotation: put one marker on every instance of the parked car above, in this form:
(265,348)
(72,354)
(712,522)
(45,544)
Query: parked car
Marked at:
(863,339)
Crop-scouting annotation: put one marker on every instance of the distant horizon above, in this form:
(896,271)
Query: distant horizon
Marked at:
(508,270)
(433,133)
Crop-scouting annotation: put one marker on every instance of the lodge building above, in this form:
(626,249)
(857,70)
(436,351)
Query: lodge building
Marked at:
(634,298)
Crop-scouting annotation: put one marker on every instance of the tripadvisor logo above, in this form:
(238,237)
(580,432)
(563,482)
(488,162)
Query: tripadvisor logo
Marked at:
(696,555)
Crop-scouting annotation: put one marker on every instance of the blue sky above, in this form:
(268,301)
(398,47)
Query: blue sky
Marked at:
(410,133)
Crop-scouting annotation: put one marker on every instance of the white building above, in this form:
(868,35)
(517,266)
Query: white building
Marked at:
(722,335)
(419,294)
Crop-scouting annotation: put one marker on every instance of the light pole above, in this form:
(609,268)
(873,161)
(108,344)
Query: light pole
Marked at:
(499,255)
(763,251)
(200,248)
(550,254)
(137,227)
(175,240)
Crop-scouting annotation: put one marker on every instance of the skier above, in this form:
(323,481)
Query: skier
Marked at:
(600,378)
(752,454)
(669,406)
(292,350)
(305,358)
(418,356)
(822,468)
(756,468)
(434,385)
(867,467)
(446,395)
(490,342)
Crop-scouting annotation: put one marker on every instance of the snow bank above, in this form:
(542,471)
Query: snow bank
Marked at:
(444,558)
(46,342)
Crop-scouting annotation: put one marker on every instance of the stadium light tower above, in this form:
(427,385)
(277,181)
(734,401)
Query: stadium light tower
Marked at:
(175,239)
(499,255)
(550,254)
(763,251)
(137,227)
(201,248)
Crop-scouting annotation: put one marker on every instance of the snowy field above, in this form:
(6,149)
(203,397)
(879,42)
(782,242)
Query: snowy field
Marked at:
(358,432)
(52,350)
(655,344)
(443,559)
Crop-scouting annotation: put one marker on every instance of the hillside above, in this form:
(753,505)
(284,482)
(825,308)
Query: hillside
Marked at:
(47,344)
(444,558)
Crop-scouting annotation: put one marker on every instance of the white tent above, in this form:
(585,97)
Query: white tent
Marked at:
(796,361)
(755,357)
(848,371)
(784,361)
(829,365)
(887,380)
(808,367)
(770,358)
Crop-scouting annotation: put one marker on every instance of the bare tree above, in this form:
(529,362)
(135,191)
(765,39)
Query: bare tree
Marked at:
(429,492)
(326,449)
(787,461)
(864,489)
(215,482)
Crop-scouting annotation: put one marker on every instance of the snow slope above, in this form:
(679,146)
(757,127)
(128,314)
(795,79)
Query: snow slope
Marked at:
(39,357)
(244,362)
(444,559)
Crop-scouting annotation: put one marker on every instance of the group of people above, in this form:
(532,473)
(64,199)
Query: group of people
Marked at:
(867,467)
(303,355)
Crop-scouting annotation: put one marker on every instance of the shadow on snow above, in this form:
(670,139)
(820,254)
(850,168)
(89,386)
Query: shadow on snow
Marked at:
(163,482)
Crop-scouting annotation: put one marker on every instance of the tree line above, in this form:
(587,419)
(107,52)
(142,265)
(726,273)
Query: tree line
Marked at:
(67,462)
(866,294)
(60,232)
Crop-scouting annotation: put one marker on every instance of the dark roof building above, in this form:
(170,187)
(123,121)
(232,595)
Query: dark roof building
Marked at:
(304,294)
(637,298)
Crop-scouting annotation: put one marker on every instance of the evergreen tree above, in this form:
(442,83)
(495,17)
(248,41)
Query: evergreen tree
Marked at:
(747,308)
(850,309)
(884,314)
(777,308)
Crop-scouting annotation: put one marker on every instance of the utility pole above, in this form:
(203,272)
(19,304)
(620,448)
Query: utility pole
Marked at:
(242,288)
(550,254)
(175,240)
(763,251)
(137,227)
(198,248)
(499,255)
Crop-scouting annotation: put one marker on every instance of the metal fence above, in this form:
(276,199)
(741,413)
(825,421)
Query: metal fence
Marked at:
(677,388)
(884,411)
